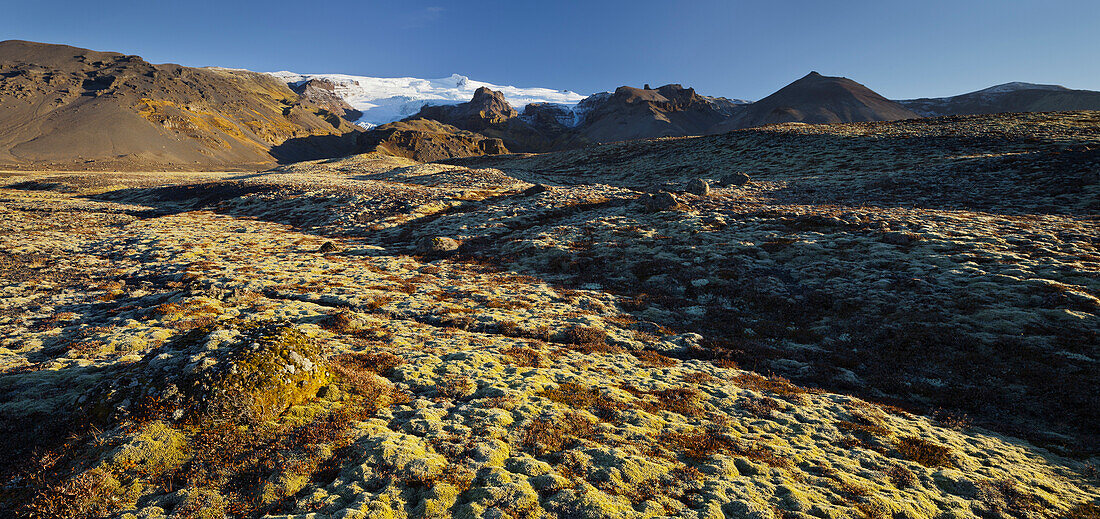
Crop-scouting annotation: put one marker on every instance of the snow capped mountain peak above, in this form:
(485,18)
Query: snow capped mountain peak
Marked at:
(384,100)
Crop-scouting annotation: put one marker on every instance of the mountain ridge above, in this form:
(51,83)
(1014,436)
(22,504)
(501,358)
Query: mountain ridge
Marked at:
(1016,96)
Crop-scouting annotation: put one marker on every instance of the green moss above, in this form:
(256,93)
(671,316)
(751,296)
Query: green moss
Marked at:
(201,503)
(155,450)
(284,483)
(438,501)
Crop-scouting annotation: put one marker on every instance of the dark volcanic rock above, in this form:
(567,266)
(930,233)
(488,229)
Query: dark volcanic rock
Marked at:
(549,115)
(490,146)
(899,238)
(535,189)
(490,115)
(735,179)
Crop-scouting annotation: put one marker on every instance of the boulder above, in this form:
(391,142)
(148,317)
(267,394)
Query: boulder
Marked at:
(492,147)
(535,189)
(437,245)
(899,238)
(662,201)
(735,179)
(699,187)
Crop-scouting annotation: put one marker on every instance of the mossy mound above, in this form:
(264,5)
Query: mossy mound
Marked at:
(281,367)
(242,372)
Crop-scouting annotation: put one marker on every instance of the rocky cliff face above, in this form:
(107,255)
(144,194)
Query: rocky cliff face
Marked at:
(322,94)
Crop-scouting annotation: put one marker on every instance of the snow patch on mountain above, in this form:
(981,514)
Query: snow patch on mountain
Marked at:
(385,100)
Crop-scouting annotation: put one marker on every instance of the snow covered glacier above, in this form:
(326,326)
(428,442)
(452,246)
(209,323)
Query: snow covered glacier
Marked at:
(384,100)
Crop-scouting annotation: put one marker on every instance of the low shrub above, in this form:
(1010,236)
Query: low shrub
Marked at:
(924,452)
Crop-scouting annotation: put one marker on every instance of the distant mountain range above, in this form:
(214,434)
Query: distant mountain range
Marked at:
(814,99)
(65,107)
(674,111)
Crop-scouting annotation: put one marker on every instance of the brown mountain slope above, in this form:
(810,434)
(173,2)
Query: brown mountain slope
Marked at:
(66,107)
(818,99)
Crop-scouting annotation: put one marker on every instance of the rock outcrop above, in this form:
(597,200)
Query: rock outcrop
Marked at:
(424,140)
(488,108)
(669,111)
(322,94)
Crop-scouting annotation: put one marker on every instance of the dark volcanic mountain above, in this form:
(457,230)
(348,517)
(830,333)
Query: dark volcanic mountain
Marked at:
(818,99)
(66,107)
(674,111)
(669,111)
(1009,97)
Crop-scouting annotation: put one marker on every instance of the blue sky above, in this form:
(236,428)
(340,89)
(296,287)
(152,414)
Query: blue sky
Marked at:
(744,49)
